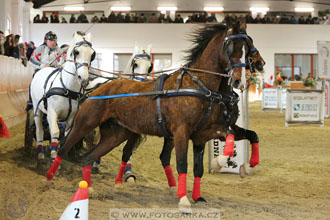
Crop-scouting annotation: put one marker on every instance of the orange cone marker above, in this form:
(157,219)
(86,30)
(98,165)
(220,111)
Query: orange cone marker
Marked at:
(78,208)
(4,131)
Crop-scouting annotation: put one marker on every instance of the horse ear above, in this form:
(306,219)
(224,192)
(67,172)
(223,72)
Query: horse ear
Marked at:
(243,27)
(136,48)
(89,37)
(149,49)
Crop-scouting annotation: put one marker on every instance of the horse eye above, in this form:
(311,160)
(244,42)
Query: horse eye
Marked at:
(76,52)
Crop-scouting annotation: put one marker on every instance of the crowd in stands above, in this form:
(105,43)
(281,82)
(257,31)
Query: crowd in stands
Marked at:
(10,46)
(202,17)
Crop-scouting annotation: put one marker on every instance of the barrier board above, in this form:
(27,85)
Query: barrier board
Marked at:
(305,106)
(216,146)
(274,98)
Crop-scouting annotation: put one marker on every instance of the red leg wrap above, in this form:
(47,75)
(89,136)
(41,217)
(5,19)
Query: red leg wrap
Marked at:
(254,160)
(197,189)
(229,147)
(119,178)
(52,170)
(87,175)
(170,177)
(182,185)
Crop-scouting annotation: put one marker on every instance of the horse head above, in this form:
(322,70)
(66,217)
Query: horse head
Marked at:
(141,60)
(82,54)
(235,41)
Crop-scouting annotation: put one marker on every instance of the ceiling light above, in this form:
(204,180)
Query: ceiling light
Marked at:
(304,9)
(167,8)
(74,8)
(213,8)
(120,8)
(257,9)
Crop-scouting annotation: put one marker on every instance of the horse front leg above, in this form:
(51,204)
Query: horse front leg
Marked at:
(39,135)
(54,131)
(180,141)
(198,172)
(165,158)
(241,133)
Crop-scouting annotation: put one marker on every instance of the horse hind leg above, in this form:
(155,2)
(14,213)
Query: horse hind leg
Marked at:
(165,158)
(111,137)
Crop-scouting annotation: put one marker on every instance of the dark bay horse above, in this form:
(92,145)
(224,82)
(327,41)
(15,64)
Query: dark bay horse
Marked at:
(186,98)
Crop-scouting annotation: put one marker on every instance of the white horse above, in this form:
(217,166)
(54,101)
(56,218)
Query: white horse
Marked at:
(139,63)
(56,92)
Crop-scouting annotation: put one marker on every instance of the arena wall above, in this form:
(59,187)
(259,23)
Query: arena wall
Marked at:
(14,84)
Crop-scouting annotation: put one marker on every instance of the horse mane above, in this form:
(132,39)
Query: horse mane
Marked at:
(200,38)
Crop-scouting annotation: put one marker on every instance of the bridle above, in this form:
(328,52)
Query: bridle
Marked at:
(228,49)
(144,56)
(78,65)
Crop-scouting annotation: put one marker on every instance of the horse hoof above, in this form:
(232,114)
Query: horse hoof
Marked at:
(215,165)
(184,205)
(242,171)
(200,200)
(130,180)
(222,160)
(91,190)
(172,191)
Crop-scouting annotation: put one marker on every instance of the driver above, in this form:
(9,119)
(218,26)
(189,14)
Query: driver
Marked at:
(47,54)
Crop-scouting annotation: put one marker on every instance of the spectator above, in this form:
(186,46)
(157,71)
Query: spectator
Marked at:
(276,20)
(249,19)
(315,20)
(95,19)
(266,20)
(37,19)
(134,18)
(2,42)
(64,20)
(103,19)
(142,18)
(8,45)
(22,53)
(293,20)
(120,18)
(73,19)
(127,18)
(213,19)
(189,20)
(15,45)
(153,18)
(284,20)
(30,49)
(112,18)
(161,18)
(178,19)
(168,19)
(309,20)
(301,20)
(54,18)
(242,19)
(82,18)
(44,19)
(258,20)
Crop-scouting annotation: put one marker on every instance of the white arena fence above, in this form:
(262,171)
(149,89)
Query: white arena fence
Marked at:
(14,89)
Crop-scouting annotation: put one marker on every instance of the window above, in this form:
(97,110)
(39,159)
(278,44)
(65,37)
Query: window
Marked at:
(120,61)
(162,61)
(296,66)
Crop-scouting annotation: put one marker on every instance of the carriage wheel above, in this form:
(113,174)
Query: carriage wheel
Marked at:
(29,133)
